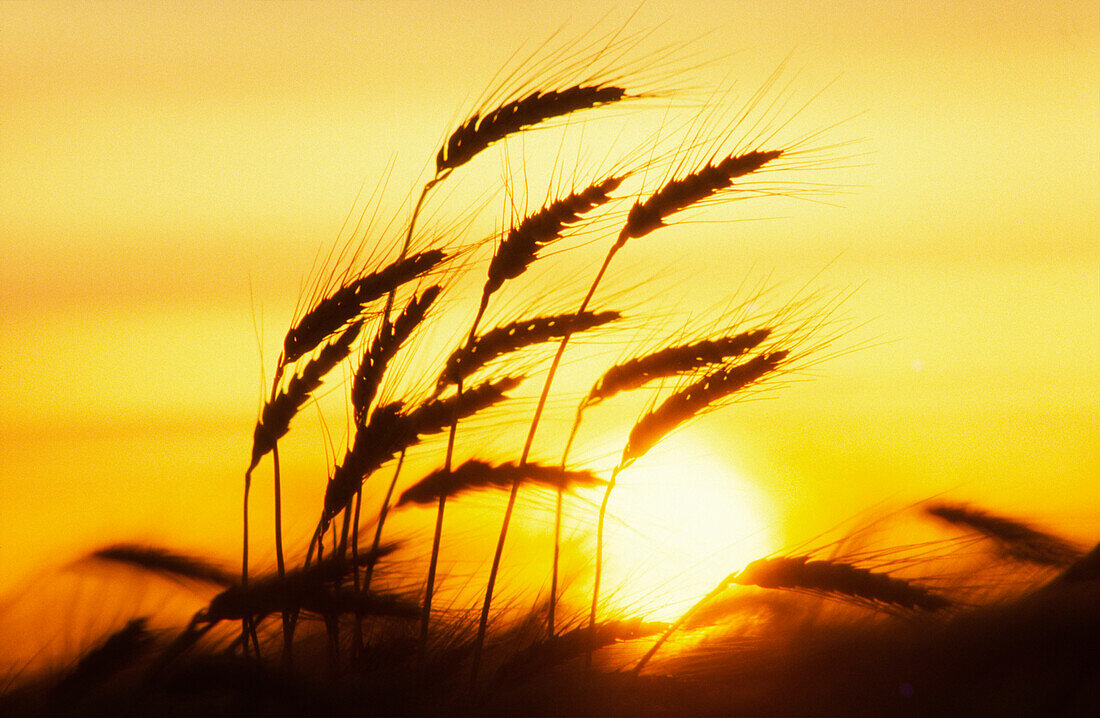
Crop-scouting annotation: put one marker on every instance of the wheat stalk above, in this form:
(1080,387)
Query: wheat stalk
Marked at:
(512,258)
(273,424)
(678,408)
(644,217)
(635,373)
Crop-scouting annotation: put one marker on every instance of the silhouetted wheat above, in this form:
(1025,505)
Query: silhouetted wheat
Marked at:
(389,339)
(346,303)
(837,579)
(694,399)
(474,475)
(513,337)
(1014,538)
(521,246)
(477,133)
(679,194)
(276,415)
(671,361)
(400,394)
(390,430)
(162,561)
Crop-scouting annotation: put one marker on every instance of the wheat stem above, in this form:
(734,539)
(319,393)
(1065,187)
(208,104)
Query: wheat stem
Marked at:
(442,503)
(483,622)
(553,600)
(382,514)
(675,626)
(599,564)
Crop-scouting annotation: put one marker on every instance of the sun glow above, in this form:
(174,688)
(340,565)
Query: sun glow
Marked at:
(679,521)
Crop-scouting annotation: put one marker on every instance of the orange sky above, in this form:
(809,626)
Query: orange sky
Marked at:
(168,167)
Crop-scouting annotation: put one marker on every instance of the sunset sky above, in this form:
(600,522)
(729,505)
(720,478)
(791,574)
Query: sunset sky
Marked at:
(169,170)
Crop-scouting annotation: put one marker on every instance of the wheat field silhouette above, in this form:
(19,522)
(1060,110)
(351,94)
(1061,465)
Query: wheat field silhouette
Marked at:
(570,413)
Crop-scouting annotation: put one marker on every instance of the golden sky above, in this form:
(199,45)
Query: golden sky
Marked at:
(169,170)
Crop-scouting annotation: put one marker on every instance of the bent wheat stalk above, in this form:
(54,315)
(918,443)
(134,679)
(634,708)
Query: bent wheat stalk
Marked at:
(635,373)
(513,256)
(273,424)
(677,409)
(644,217)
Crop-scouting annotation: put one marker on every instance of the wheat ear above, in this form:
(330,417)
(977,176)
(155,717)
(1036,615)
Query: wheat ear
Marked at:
(520,247)
(389,339)
(154,559)
(679,194)
(514,336)
(276,415)
(672,361)
(390,430)
(838,579)
(120,650)
(346,303)
(474,475)
(1013,538)
(297,592)
(477,133)
(695,399)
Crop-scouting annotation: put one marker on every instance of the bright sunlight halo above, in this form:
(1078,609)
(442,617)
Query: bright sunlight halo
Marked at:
(679,521)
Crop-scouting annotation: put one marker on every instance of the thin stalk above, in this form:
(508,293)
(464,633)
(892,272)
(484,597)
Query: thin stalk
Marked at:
(244,561)
(484,622)
(288,650)
(382,520)
(675,626)
(550,614)
(426,614)
(385,506)
(599,567)
(357,634)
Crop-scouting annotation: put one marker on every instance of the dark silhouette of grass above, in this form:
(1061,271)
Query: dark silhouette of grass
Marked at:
(804,635)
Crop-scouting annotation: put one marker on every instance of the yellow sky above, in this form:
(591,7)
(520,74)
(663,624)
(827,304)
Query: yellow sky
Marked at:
(165,166)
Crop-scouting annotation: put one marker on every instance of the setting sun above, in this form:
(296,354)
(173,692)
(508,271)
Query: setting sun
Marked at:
(680,522)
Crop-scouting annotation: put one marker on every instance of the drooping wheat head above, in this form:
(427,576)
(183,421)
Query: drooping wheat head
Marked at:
(831,578)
